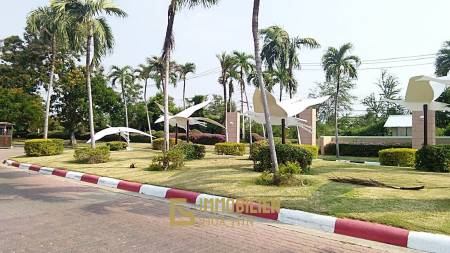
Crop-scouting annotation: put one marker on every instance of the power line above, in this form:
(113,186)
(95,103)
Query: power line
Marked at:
(384,60)
(384,67)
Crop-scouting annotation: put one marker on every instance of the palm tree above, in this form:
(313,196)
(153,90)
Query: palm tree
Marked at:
(175,5)
(275,47)
(183,70)
(443,60)
(144,72)
(227,63)
(296,44)
(337,65)
(258,62)
(92,35)
(50,26)
(244,68)
(125,77)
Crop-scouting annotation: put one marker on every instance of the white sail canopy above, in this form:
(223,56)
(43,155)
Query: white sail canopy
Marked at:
(423,90)
(117,130)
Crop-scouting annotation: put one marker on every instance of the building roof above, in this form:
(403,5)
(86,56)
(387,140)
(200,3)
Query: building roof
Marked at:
(399,121)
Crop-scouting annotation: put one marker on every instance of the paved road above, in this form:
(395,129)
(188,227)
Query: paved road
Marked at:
(41,213)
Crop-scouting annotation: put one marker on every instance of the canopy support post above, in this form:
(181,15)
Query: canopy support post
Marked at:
(187,130)
(425,124)
(176,134)
(283,131)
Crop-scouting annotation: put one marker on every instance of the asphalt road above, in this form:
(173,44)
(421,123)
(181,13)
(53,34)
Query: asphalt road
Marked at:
(40,213)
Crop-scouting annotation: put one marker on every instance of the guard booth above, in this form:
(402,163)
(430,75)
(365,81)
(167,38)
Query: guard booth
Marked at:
(6,133)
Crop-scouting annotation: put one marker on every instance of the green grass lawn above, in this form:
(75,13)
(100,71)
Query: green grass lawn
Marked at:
(424,210)
(350,158)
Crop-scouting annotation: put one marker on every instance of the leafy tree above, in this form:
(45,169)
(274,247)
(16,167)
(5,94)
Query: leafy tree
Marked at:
(145,72)
(338,64)
(50,27)
(442,63)
(183,71)
(175,5)
(23,63)
(24,110)
(259,77)
(92,32)
(326,110)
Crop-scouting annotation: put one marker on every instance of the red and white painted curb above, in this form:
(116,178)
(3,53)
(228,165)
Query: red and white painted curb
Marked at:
(366,230)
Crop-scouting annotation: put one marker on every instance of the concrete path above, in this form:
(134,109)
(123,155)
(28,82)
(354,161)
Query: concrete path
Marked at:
(40,213)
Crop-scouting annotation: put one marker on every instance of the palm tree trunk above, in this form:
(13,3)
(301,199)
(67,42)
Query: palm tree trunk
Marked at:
(166,56)
(125,104)
(50,87)
(146,111)
(225,105)
(273,154)
(250,120)
(336,126)
(281,91)
(88,86)
(184,92)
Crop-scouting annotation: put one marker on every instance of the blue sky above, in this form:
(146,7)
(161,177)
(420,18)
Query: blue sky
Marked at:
(378,29)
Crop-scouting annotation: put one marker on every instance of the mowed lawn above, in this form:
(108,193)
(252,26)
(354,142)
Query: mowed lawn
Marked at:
(424,210)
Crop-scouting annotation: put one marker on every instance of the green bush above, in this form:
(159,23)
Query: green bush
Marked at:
(433,158)
(158,144)
(360,150)
(100,154)
(230,148)
(44,147)
(285,153)
(284,176)
(173,159)
(116,145)
(311,148)
(405,157)
(254,148)
(191,151)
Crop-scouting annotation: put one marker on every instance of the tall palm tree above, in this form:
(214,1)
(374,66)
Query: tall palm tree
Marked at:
(93,36)
(126,78)
(442,63)
(275,47)
(50,26)
(183,71)
(244,67)
(144,72)
(227,63)
(296,44)
(258,63)
(338,64)
(174,6)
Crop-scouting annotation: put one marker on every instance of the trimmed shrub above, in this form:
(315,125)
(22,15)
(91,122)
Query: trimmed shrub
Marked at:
(90,155)
(254,148)
(279,140)
(285,153)
(405,157)
(311,148)
(230,148)
(173,159)
(44,147)
(433,158)
(284,176)
(201,138)
(116,145)
(158,144)
(360,150)
(191,151)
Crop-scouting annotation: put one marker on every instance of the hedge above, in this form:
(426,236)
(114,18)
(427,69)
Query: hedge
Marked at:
(285,153)
(361,150)
(100,154)
(158,144)
(116,145)
(198,137)
(173,159)
(44,147)
(311,148)
(191,151)
(230,148)
(405,157)
(433,158)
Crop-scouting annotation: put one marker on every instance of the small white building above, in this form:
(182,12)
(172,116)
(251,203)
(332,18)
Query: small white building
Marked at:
(399,125)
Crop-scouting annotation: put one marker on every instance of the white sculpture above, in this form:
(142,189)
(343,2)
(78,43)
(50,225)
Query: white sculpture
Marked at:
(124,132)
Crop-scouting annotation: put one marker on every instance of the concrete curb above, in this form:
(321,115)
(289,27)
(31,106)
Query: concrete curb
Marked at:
(366,230)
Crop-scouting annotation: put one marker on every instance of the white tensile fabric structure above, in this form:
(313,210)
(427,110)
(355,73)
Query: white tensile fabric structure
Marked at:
(423,90)
(180,119)
(286,109)
(123,131)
